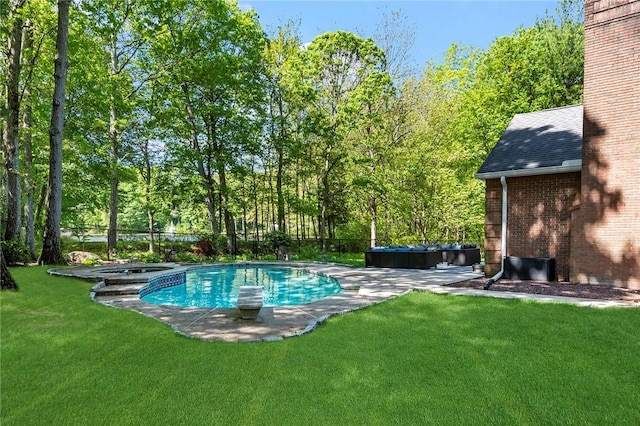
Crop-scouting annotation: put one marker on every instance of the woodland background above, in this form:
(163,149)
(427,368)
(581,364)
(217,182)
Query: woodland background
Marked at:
(186,116)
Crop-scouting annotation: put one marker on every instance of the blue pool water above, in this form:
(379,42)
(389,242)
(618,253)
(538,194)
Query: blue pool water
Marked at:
(218,287)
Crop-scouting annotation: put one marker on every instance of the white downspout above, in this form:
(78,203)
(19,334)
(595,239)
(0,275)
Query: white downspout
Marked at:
(497,276)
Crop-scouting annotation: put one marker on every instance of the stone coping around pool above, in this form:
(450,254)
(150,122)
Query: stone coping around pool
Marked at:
(140,274)
(136,272)
(361,287)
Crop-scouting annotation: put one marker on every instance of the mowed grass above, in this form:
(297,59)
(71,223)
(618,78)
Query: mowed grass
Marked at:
(417,359)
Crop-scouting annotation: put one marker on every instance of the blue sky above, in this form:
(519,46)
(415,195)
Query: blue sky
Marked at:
(437,24)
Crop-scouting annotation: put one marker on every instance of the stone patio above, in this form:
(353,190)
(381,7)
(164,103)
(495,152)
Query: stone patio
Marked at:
(361,287)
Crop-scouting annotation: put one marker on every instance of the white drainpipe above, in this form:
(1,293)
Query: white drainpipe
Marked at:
(497,276)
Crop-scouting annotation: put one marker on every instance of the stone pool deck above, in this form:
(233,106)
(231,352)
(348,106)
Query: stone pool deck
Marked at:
(361,287)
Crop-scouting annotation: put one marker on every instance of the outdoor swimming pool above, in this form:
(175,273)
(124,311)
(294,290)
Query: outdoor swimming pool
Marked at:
(218,287)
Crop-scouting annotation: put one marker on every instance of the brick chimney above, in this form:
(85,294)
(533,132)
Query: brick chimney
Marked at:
(605,236)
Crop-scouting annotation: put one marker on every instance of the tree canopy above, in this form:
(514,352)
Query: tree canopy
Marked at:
(187,114)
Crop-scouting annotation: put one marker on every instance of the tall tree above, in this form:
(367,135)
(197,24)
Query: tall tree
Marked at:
(115,26)
(27,125)
(379,130)
(396,37)
(340,72)
(153,184)
(282,113)
(35,86)
(87,150)
(384,124)
(12,121)
(51,248)
(213,71)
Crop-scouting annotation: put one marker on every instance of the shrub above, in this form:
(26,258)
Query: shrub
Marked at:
(15,252)
(220,243)
(353,231)
(210,246)
(349,246)
(183,256)
(90,262)
(151,258)
(278,242)
(146,257)
(309,252)
(203,248)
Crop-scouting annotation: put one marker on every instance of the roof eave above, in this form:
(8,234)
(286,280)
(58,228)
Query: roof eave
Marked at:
(536,171)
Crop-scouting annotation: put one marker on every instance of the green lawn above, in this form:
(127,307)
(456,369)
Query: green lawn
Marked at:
(418,359)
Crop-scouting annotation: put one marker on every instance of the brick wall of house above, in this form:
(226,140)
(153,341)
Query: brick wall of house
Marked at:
(539,219)
(606,241)
(492,227)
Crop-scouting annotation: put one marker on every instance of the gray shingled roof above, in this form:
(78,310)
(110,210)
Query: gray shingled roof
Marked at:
(548,141)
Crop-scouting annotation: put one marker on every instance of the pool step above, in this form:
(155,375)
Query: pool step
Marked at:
(119,281)
(119,290)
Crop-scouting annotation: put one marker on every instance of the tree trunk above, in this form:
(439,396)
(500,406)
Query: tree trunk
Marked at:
(230,228)
(220,209)
(373,211)
(210,199)
(51,248)
(270,211)
(211,202)
(3,181)
(11,134)
(147,192)
(324,207)
(297,184)
(6,280)
(42,198)
(303,220)
(112,234)
(27,125)
(229,222)
(373,201)
(244,211)
(254,187)
(151,239)
(282,225)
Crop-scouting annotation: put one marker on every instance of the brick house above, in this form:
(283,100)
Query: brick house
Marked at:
(539,156)
(572,175)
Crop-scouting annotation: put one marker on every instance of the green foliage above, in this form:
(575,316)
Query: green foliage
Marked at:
(458,111)
(90,262)
(15,251)
(309,252)
(275,239)
(184,256)
(353,231)
(210,246)
(210,92)
(146,257)
(343,82)
(534,68)
(216,124)
(352,259)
